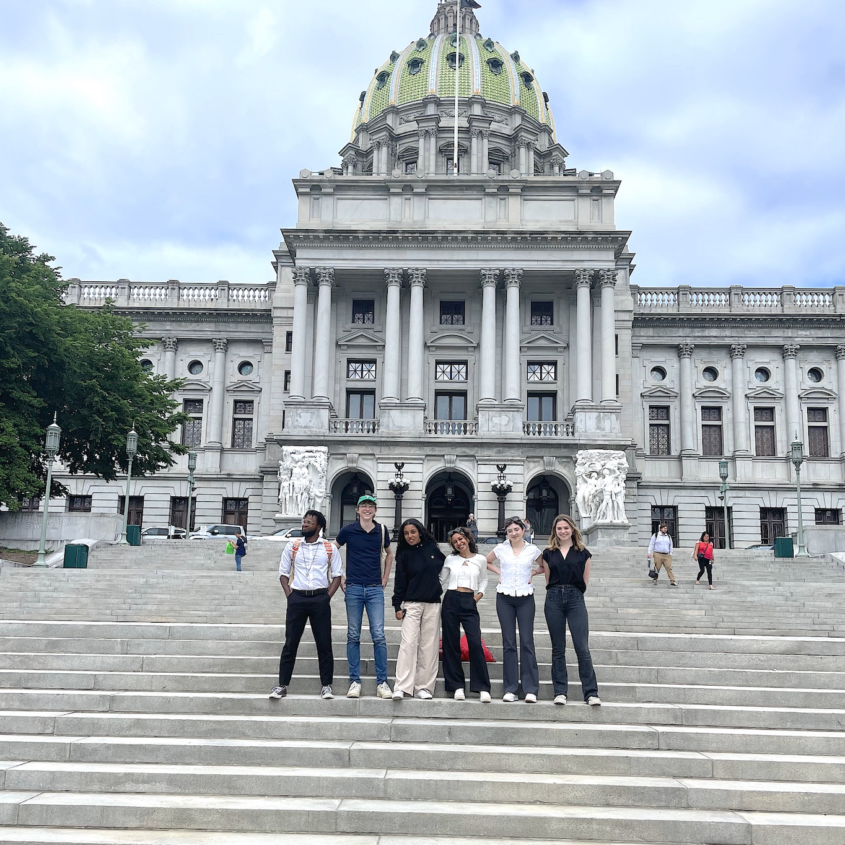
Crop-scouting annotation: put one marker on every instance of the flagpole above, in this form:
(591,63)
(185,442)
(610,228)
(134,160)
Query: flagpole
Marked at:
(457,84)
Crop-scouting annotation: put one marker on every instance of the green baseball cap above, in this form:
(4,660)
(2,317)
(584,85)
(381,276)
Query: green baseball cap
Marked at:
(364,499)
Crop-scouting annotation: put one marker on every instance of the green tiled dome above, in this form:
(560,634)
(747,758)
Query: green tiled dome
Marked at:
(426,66)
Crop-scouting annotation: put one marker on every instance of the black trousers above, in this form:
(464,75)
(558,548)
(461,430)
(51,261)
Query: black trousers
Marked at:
(460,609)
(318,611)
(703,564)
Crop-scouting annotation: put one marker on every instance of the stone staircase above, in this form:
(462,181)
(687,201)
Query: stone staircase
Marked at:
(133,709)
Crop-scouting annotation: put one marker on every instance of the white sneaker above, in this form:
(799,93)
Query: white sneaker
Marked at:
(398,695)
(560,699)
(327,693)
(425,695)
(530,698)
(354,690)
(485,697)
(460,695)
(383,691)
(509,697)
(594,701)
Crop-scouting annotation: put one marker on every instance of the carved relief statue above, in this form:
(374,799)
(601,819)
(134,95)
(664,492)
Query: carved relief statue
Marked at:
(302,479)
(600,486)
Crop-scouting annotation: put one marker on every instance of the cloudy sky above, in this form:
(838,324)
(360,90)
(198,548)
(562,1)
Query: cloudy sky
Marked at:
(156,139)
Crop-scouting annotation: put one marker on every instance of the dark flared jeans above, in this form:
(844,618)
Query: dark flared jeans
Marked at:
(460,609)
(566,604)
(510,610)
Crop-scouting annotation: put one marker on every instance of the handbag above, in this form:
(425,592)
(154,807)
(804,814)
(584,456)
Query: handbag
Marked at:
(652,572)
(230,549)
(383,552)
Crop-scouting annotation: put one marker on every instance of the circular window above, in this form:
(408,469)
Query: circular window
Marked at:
(245,368)
(195,368)
(762,374)
(658,374)
(147,365)
(710,374)
(815,375)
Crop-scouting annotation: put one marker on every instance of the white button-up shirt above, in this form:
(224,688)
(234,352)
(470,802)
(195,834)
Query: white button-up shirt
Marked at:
(311,567)
(516,569)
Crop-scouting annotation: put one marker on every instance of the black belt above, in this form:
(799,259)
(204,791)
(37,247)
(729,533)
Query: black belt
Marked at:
(310,592)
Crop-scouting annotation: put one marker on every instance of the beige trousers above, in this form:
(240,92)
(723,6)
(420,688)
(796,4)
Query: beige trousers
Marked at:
(419,651)
(665,561)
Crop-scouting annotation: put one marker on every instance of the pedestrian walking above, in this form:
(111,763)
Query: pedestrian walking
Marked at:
(416,602)
(472,526)
(514,562)
(566,563)
(310,573)
(464,578)
(529,530)
(703,553)
(369,559)
(660,550)
(240,550)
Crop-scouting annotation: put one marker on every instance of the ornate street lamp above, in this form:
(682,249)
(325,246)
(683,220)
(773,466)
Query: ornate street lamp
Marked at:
(501,487)
(399,486)
(723,495)
(450,489)
(131,451)
(51,446)
(192,465)
(796,455)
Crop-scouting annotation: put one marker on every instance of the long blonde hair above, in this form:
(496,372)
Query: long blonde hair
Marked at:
(577,541)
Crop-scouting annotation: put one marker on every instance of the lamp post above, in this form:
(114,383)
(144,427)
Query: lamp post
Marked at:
(501,487)
(192,465)
(796,455)
(51,446)
(723,495)
(131,451)
(399,486)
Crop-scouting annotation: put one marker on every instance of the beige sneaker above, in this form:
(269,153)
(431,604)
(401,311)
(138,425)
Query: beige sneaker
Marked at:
(354,690)
(384,691)
(460,695)
(485,697)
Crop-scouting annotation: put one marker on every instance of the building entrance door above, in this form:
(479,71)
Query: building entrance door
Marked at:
(542,506)
(236,512)
(772,524)
(136,509)
(179,512)
(669,515)
(448,498)
(714,519)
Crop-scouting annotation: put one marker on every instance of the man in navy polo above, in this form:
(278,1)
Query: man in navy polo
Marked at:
(364,588)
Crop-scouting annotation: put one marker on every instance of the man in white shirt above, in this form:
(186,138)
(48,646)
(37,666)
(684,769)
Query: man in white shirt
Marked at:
(317,572)
(661,549)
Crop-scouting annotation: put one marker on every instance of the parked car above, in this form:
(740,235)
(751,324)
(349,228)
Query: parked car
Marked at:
(760,547)
(283,535)
(171,532)
(217,532)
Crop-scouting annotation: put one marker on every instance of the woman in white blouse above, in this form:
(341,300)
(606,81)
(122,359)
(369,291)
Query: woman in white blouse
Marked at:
(464,580)
(516,561)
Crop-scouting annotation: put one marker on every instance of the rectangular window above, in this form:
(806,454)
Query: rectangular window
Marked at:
(79,504)
(242,425)
(361,370)
(287,381)
(363,312)
(179,512)
(450,371)
(828,516)
(542,313)
(711,432)
(772,524)
(542,407)
(658,430)
(819,445)
(410,166)
(616,344)
(450,406)
(764,432)
(192,429)
(669,515)
(235,512)
(542,371)
(360,405)
(136,509)
(452,313)
(288,341)
(30,504)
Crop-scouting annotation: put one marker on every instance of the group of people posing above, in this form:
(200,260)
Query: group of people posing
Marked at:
(434,596)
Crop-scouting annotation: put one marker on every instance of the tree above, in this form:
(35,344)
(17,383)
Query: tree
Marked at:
(83,365)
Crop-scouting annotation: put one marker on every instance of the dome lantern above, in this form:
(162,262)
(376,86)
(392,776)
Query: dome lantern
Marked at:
(445,19)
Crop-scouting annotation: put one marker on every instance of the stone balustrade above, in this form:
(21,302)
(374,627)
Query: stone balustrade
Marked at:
(451,428)
(354,426)
(738,300)
(548,429)
(173,294)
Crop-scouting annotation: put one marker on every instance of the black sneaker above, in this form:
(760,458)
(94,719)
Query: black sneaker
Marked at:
(279,692)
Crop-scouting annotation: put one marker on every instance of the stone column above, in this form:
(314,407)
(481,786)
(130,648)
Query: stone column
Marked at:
(376,158)
(685,351)
(530,158)
(385,158)
(513,280)
(301,280)
(487,380)
(218,393)
(584,340)
(793,409)
(485,150)
(323,333)
(170,344)
(392,335)
(608,336)
(421,163)
(474,151)
(523,164)
(416,336)
(840,358)
(738,399)
(432,152)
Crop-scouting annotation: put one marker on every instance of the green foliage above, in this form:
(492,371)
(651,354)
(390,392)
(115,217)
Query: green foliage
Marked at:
(83,365)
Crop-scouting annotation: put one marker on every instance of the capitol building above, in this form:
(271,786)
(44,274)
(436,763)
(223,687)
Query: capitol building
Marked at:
(459,319)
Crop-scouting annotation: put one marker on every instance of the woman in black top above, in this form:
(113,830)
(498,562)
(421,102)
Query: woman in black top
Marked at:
(416,601)
(566,563)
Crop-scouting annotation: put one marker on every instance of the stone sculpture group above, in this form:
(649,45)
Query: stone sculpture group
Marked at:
(302,479)
(600,486)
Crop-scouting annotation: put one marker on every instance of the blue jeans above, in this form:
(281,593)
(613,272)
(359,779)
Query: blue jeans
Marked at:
(238,559)
(359,597)
(566,604)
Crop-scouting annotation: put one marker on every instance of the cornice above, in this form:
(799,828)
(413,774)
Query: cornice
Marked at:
(810,321)
(189,315)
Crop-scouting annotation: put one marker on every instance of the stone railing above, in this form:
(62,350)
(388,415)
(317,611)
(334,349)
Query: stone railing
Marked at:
(172,294)
(354,426)
(451,428)
(548,429)
(738,300)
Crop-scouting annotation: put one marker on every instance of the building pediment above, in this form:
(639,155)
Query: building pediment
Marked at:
(712,393)
(655,393)
(817,394)
(361,340)
(243,387)
(764,394)
(451,340)
(543,342)
(193,384)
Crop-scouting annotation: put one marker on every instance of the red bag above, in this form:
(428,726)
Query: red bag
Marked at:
(465,651)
